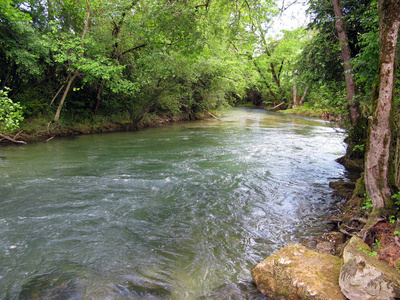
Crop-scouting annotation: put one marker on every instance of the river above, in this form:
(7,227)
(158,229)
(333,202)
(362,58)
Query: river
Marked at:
(181,211)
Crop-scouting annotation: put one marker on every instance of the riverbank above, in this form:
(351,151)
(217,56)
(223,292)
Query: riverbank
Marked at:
(357,259)
(328,114)
(352,219)
(42,130)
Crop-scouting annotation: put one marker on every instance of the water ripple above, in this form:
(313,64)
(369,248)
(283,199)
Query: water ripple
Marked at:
(177,212)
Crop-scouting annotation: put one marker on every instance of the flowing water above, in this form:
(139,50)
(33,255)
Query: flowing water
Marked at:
(181,211)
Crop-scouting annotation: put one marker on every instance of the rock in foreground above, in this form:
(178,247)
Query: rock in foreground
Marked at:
(364,277)
(295,272)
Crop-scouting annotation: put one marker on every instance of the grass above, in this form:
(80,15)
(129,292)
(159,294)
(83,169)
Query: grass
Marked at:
(312,111)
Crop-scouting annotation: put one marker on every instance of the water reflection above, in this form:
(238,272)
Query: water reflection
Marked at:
(176,212)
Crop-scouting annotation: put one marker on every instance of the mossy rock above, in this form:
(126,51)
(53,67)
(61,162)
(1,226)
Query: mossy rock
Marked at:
(342,188)
(296,272)
(352,165)
(364,277)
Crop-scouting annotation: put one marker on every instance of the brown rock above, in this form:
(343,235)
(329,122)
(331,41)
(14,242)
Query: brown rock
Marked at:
(327,243)
(326,248)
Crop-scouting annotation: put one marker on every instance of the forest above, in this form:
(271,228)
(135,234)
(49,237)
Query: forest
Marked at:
(87,63)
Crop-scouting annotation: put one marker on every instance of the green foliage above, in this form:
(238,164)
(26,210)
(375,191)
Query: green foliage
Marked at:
(366,61)
(373,253)
(9,13)
(369,252)
(10,112)
(313,111)
(396,211)
(321,64)
(367,204)
(328,95)
(320,61)
(359,149)
(275,64)
(142,58)
(377,245)
(396,197)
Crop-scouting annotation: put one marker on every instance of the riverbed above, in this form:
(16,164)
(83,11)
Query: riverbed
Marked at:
(181,211)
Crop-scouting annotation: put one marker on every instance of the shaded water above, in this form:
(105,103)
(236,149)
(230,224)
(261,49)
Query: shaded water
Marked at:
(177,212)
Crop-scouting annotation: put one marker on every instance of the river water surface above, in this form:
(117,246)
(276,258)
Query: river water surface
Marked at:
(181,211)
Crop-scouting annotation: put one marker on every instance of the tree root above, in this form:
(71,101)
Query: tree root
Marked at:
(345,232)
(339,220)
(356,231)
(361,220)
(372,221)
(397,240)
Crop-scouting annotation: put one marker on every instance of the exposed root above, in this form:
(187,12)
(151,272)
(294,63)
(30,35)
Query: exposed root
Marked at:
(345,232)
(372,221)
(361,220)
(397,240)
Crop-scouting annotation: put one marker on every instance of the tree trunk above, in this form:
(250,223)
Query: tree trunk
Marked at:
(60,89)
(276,75)
(98,97)
(397,163)
(304,95)
(346,57)
(271,92)
(76,72)
(295,100)
(60,105)
(379,139)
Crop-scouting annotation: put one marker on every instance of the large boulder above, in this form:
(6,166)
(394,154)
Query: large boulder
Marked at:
(296,272)
(365,277)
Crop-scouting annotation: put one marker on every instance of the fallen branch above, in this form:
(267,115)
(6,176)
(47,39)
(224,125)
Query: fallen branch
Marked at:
(213,115)
(49,139)
(276,106)
(11,139)
(15,136)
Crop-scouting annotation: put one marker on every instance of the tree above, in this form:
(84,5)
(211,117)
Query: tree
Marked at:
(379,139)
(128,57)
(346,59)
(321,64)
(366,62)
(10,115)
(275,63)
(73,74)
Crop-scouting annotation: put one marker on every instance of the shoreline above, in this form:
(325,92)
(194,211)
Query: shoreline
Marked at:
(46,132)
(33,132)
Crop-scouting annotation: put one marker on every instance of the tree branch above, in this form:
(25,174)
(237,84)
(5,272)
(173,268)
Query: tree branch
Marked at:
(203,5)
(133,49)
(4,136)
